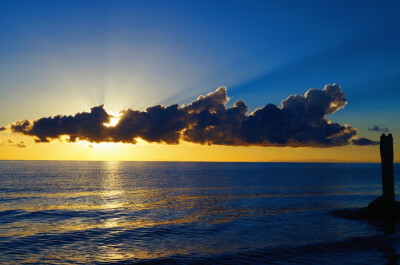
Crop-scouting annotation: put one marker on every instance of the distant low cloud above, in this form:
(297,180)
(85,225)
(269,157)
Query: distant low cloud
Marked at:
(364,142)
(299,121)
(377,128)
(20,145)
(17,144)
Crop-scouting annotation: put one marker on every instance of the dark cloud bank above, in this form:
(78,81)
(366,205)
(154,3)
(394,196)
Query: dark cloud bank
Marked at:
(300,121)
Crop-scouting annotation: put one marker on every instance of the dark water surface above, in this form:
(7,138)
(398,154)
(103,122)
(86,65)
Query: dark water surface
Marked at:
(189,213)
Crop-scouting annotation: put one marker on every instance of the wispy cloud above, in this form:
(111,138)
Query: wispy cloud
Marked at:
(378,128)
(299,121)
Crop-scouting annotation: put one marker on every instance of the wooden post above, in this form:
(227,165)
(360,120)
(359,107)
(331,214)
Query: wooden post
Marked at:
(386,147)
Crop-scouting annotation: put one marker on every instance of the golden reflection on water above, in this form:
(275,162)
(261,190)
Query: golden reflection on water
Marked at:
(112,199)
(117,254)
(158,191)
(208,210)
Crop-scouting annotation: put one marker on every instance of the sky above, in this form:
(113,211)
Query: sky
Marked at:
(66,57)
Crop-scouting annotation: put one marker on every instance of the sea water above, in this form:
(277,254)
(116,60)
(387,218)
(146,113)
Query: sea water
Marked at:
(68,212)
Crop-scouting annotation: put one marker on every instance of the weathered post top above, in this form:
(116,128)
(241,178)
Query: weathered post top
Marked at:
(386,148)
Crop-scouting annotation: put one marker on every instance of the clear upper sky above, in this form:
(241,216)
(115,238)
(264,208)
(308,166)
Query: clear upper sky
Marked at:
(63,57)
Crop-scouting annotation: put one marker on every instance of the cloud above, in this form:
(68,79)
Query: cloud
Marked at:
(299,121)
(2,129)
(20,144)
(85,126)
(364,142)
(156,124)
(377,128)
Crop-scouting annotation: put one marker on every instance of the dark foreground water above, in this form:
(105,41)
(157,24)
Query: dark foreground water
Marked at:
(189,213)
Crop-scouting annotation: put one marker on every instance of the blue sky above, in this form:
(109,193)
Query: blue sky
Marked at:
(61,57)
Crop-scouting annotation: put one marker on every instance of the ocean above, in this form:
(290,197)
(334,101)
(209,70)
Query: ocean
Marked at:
(70,212)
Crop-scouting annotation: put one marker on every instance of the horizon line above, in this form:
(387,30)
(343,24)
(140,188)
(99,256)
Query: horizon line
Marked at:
(329,161)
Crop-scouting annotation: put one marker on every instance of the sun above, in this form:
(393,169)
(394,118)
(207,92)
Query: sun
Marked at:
(115,117)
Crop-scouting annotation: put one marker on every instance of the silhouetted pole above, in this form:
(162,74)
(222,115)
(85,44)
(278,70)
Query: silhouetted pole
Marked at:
(386,146)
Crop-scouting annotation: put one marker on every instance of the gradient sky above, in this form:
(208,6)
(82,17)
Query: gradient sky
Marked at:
(64,57)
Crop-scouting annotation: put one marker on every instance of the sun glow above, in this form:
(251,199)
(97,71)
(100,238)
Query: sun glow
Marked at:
(114,119)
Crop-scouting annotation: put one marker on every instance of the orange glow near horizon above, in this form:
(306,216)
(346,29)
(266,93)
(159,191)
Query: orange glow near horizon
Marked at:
(185,151)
